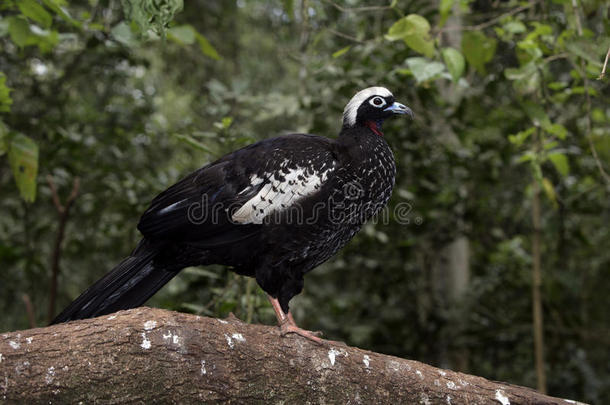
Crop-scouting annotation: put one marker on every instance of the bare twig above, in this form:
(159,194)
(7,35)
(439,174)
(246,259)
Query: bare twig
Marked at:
(61,208)
(63,212)
(346,36)
(538,324)
(357,9)
(54,195)
(29,310)
(603,73)
(487,23)
(555,57)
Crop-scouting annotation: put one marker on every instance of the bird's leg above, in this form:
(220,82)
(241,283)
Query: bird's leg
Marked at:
(287,324)
(281,316)
(291,319)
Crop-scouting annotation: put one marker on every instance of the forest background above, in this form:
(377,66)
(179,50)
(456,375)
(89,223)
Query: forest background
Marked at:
(499,263)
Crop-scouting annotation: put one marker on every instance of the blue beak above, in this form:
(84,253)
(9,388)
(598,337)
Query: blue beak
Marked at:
(398,108)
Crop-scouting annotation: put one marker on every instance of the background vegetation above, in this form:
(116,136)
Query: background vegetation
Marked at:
(505,166)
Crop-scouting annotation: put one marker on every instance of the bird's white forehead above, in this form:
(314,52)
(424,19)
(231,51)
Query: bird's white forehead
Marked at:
(351,109)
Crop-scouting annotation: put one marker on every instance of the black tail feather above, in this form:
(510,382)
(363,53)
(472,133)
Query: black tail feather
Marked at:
(126,286)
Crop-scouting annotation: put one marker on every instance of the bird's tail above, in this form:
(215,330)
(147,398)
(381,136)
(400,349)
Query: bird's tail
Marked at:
(126,286)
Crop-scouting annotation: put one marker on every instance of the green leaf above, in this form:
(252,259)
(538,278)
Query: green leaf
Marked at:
(4,26)
(5,97)
(520,73)
(560,161)
(187,35)
(601,141)
(424,69)
(152,14)
(549,190)
(520,137)
(550,145)
(581,90)
(183,34)
(527,156)
(46,40)
(35,12)
(455,62)
(478,49)
(420,44)
(136,11)
(540,29)
(557,129)
(23,159)
(20,33)
(585,50)
(598,115)
(55,5)
(444,9)
(525,78)
(4,141)
(398,30)
(514,27)
(414,30)
(206,48)
(123,34)
(226,122)
(557,85)
(536,114)
(341,51)
(528,51)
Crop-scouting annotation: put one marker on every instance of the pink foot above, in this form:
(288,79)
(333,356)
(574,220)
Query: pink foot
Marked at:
(287,327)
(287,324)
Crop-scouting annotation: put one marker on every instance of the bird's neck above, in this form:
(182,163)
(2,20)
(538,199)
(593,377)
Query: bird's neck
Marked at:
(360,140)
(368,127)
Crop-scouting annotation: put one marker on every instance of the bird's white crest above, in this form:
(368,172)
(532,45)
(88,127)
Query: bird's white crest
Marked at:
(351,109)
(278,195)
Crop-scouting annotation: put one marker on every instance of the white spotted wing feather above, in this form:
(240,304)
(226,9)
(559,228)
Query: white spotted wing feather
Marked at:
(281,191)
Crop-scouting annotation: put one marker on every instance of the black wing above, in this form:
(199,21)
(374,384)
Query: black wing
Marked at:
(200,207)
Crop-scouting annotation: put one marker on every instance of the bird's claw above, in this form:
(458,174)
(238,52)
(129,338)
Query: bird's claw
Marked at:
(317,333)
(287,327)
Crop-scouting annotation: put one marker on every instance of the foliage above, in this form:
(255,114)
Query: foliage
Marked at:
(505,95)
(23,158)
(152,14)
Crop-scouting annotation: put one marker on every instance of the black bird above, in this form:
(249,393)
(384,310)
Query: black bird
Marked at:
(273,210)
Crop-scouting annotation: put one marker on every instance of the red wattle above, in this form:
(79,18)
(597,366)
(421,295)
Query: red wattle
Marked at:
(373,127)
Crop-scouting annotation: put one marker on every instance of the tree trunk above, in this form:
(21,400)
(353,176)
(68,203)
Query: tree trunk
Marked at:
(149,355)
(458,276)
(537,316)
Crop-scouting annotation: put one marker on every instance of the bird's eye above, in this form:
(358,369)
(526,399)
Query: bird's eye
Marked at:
(377,102)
